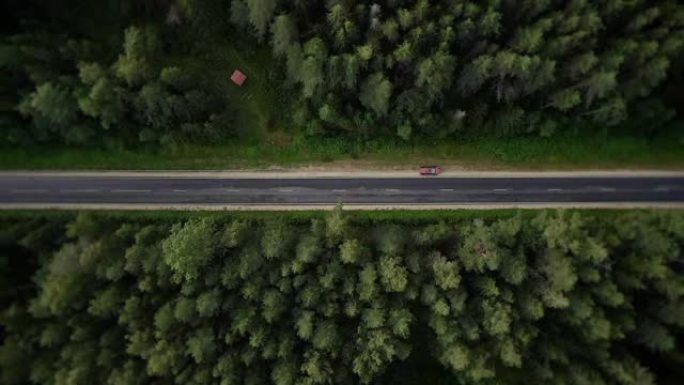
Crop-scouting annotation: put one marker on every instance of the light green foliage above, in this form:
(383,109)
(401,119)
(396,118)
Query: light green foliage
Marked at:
(104,101)
(375,93)
(351,251)
(164,318)
(294,60)
(367,283)
(343,29)
(365,52)
(284,34)
(557,297)
(64,282)
(496,317)
(390,239)
(311,71)
(528,39)
(560,277)
(106,303)
(393,275)
(260,14)
(510,356)
(234,234)
(140,46)
(201,345)
(275,240)
(479,252)
(189,248)
(337,224)
(456,357)
(274,305)
(435,73)
(400,321)
(51,103)
(404,131)
(432,234)
(446,273)
(304,325)
(599,85)
(403,52)
(90,73)
(374,318)
(325,337)
(184,309)
(284,374)
(208,303)
(176,77)
(308,248)
(390,29)
(566,99)
(514,267)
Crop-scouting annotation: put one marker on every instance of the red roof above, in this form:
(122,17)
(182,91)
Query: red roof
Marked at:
(238,77)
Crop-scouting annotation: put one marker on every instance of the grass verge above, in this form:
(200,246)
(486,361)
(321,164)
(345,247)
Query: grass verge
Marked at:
(665,151)
(404,216)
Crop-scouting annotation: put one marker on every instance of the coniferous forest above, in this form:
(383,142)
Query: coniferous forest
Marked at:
(342,298)
(577,297)
(123,72)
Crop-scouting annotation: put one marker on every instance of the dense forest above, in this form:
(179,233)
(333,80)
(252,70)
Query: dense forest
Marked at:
(156,71)
(343,298)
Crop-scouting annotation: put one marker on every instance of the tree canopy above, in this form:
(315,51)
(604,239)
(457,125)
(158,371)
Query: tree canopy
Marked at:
(430,68)
(559,297)
(416,63)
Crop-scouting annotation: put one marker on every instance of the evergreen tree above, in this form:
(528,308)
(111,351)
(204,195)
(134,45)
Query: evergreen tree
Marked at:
(560,297)
(133,65)
(260,15)
(284,34)
(375,93)
(189,248)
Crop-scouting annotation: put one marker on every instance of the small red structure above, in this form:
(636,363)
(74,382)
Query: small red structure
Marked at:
(238,77)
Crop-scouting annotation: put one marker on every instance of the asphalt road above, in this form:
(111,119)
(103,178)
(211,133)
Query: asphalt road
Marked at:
(155,189)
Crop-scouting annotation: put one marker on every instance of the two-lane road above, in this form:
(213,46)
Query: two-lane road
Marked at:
(32,189)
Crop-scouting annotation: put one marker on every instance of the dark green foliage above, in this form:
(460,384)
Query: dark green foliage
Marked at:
(70,88)
(433,67)
(425,68)
(560,298)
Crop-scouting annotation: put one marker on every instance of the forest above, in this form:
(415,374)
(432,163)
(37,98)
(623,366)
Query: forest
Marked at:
(155,72)
(559,297)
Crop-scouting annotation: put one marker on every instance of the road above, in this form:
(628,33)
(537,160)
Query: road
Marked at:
(31,189)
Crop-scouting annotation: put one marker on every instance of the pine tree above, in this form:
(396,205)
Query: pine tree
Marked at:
(133,65)
(311,71)
(479,251)
(562,297)
(260,15)
(393,275)
(208,303)
(351,251)
(375,93)
(435,73)
(189,248)
(284,33)
(446,273)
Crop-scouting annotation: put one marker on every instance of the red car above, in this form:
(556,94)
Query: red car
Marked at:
(430,170)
